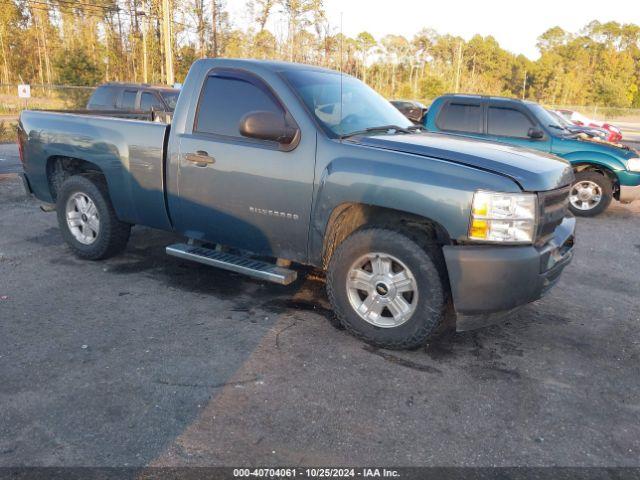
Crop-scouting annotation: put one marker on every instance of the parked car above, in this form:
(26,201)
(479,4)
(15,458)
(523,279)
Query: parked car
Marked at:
(133,97)
(411,109)
(615,134)
(602,171)
(593,132)
(299,164)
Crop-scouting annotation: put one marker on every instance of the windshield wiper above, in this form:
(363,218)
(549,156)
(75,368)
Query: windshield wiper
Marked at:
(558,127)
(381,128)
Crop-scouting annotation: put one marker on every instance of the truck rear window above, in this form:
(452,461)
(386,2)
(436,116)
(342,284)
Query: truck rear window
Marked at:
(461,117)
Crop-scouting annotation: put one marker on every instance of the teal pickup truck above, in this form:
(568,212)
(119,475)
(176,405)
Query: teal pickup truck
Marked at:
(603,171)
(269,165)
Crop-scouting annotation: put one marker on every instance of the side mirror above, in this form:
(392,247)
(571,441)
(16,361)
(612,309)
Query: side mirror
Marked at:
(535,133)
(267,126)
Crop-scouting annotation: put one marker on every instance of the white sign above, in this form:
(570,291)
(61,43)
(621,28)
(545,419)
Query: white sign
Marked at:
(24,91)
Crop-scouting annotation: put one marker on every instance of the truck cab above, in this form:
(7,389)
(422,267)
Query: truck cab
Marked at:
(603,171)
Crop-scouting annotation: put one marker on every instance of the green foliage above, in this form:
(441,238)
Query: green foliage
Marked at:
(75,67)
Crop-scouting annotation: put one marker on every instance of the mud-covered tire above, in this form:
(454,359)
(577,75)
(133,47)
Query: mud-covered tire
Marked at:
(112,235)
(606,188)
(425,263)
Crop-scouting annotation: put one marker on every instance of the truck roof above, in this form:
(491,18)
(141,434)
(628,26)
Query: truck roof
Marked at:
(476,96)
(139,85)
(274,65)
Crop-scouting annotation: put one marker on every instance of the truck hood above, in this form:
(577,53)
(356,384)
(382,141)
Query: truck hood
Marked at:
(532,170)
(619,151)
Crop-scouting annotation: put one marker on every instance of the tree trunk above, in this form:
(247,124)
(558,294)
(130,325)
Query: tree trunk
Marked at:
(5,64)
(215,14)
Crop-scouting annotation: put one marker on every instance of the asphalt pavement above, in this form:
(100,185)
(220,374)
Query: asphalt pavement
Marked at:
(9,159)
(146,359)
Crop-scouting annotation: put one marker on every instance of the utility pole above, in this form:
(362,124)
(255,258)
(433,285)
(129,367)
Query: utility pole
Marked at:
(524,85)
(168,51)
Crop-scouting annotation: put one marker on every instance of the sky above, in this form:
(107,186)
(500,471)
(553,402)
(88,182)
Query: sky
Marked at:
(515,24)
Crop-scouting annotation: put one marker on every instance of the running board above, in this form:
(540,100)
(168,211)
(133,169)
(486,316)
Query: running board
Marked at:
(235,263)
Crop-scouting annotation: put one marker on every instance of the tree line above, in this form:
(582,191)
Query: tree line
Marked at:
(86,42)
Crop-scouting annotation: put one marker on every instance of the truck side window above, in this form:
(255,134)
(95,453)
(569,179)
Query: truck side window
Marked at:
(507,122)
(104,98)
(149,101)
(128,100)
(461,117)
(225,100)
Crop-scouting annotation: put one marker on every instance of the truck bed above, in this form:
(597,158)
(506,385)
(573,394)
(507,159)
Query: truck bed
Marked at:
(129,152)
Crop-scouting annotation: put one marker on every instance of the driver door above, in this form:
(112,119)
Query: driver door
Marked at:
(238,191)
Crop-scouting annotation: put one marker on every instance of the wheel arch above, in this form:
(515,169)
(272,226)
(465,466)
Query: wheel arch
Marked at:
(602,170)
(59,168)
(349,217)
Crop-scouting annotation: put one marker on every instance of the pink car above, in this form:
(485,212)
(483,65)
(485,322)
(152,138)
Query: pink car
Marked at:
(615,135)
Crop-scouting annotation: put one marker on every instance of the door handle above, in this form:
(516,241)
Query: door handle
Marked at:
(200,158)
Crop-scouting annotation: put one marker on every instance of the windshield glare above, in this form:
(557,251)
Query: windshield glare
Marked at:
(361,106)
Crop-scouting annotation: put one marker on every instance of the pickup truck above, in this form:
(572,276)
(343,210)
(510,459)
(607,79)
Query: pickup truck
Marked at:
(603,171)
(269,165)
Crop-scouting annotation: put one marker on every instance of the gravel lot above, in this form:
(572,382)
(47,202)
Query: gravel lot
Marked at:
(149,360)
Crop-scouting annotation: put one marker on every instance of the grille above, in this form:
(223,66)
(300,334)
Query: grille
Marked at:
(553,207)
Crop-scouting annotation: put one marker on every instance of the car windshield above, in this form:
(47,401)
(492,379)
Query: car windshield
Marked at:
(171,98)
(560,119)
(361,107)
(545,117)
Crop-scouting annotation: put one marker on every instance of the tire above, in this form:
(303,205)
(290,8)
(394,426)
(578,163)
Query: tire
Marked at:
(604,186)
(425,265)
(112,234)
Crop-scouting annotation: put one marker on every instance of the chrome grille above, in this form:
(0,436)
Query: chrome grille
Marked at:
(553,206)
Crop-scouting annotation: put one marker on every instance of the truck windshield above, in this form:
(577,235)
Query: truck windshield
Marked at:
(546,118)
(361,108)
(171,98)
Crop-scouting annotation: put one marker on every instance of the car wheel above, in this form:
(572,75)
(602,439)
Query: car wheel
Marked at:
(87,219)
(591,193)
(386,289)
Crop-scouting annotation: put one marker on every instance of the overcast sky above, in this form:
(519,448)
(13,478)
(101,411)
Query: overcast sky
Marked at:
(516,24)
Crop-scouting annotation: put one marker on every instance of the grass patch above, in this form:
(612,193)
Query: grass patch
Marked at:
(8,131)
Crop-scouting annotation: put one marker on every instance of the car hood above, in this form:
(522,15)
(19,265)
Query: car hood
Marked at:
(531,169)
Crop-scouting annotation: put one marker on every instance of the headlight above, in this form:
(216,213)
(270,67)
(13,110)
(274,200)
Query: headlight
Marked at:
(633,164)
(503,217)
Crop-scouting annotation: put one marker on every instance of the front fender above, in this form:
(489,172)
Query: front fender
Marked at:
(433,189)
(596,158)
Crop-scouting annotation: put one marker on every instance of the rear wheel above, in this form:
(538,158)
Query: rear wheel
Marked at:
(386,289)
(87,219)
(591,194)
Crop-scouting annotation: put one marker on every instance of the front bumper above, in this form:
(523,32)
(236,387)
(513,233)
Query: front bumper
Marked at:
(628,194)
(487,279)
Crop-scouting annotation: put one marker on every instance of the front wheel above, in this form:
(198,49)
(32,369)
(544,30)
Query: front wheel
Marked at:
(591,193)
(87,219)
(386,289)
